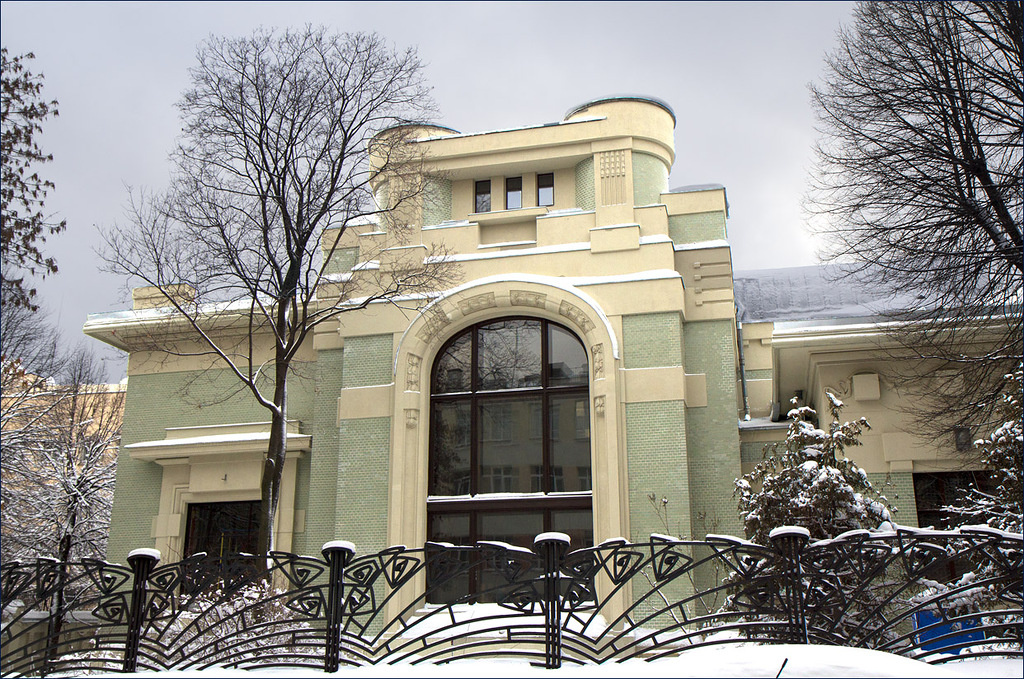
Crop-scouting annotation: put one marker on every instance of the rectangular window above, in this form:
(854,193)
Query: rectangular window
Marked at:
(483,196)
(536,478)
(546,189)
(964,441)
(499,480)
(513,193)
(557,480)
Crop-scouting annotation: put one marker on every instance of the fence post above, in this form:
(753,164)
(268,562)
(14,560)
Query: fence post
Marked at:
(338,554)
(551,547)
(789,543)
(142,562)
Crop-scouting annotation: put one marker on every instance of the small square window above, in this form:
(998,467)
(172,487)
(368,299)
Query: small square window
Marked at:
(546,189)
(964,441)
(483,196)
(513,193)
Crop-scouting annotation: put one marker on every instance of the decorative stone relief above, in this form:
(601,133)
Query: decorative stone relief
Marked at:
(527,298)
(576,315)
(435,321)
(412,373)
(597,351)
(599,406)
(476,303)
(842,388)
(412,418)
(612,168)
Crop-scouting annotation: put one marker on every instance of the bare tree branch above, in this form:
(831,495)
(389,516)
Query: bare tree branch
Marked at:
(286,135)
(918,188)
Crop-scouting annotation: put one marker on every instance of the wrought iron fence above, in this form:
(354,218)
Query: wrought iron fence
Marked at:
(929,595)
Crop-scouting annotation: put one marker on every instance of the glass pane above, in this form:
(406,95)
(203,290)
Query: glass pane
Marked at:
(507,451)
(515,528)
(508,355)
(546,196)
(453,528)
(570,443)
(446,584)
(568,358)
(452,369)
(449,448)
(483,196)
(513,193)
(577,524)
(546,189)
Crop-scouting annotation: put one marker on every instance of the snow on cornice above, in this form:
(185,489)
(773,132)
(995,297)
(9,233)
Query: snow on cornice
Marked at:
(542,250)
(245,437)
(702,245)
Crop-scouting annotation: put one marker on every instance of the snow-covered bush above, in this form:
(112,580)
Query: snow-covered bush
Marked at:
(222,626)
(1001,508)
(232,626)
(1002,453)
(808,481)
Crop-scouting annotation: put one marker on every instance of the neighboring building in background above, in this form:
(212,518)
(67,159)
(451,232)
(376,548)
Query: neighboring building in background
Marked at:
(803,334)
(59,449)
(587,360)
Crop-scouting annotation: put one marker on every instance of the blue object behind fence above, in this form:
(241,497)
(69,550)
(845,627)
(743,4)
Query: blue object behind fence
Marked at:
(924,621)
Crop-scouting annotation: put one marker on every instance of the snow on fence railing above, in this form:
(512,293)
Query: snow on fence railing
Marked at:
(930,595)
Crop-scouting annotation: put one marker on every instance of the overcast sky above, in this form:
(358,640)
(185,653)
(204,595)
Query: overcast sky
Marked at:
(735,73)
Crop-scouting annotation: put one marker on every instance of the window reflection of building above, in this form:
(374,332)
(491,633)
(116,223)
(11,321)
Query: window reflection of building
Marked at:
(510,415)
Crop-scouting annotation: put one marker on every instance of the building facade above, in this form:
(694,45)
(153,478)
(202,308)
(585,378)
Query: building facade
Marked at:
(585,367)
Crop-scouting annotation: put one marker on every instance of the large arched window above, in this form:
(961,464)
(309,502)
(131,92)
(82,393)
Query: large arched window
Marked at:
(510,435)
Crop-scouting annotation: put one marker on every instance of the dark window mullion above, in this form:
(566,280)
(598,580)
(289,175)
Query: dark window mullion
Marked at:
(474,425)
(545,409)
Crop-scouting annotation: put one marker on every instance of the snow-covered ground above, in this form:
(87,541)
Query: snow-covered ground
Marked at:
(716,661)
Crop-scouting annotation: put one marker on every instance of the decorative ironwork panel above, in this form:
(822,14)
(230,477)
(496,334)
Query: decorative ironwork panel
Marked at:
(931,595)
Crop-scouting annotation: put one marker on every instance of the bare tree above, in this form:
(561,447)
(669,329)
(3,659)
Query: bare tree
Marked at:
(919,185)
(60,427)
(23,224)
(290,142)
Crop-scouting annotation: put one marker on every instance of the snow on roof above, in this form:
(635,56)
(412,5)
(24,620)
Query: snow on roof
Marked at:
(690,188)
(622,97)
(693,188)
(462,135)
(809,293)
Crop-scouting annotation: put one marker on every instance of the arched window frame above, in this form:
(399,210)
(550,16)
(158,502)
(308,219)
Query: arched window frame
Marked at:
(549,501)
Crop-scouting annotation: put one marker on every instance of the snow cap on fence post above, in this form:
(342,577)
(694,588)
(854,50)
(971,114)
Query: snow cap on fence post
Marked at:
(793,533)
(144,552)
(336,546)
(552,537)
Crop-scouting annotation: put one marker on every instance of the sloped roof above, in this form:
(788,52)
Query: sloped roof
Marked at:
(811,293)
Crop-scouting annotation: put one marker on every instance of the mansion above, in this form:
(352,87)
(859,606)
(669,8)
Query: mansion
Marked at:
(598,354)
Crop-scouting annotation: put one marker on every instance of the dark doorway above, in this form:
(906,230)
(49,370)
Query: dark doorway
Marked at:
(222,528)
